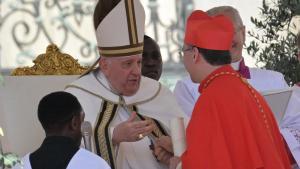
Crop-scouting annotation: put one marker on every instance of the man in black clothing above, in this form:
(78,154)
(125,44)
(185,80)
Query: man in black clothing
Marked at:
(61,116)
(151,61)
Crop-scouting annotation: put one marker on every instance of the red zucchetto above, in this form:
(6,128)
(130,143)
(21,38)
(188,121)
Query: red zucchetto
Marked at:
(214,33)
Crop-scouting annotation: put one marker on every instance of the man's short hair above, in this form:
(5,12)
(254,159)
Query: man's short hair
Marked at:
(57,109)
(152,41)
(216,57)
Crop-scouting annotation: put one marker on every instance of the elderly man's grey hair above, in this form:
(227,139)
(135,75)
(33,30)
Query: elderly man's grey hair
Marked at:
(229,10)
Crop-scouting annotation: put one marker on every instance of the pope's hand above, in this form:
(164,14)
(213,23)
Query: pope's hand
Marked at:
(131,130)
(163,150)
(162,155)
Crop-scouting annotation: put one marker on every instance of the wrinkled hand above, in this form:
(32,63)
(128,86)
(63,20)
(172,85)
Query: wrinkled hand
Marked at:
(162,155)
(163,150)
(165,142)
(174,161)
(130,130)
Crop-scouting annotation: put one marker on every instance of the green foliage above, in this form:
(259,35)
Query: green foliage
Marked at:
(9,160)
(274,44)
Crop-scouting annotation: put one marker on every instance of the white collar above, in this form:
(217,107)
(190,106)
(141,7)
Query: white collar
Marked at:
(104,82)
(149,88)
(236,65)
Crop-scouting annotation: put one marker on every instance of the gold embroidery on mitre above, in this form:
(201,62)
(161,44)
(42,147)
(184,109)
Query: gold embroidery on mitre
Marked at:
(121,50)
(53,62)
(131,21)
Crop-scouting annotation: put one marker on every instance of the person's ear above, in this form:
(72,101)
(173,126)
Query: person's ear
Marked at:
(75,123)
(103,64)
(197,55)
(82,116)
(243,29)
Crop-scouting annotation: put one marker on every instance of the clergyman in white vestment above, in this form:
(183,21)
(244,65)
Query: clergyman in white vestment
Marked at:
(128,111)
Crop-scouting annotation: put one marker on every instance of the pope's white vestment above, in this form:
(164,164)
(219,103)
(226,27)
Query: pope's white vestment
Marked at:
(105,110)
(186,93)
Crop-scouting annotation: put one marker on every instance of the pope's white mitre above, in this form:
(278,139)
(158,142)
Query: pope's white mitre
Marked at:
(121,32)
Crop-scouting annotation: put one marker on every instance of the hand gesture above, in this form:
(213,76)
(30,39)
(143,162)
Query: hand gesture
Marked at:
(163,150)
(132,130)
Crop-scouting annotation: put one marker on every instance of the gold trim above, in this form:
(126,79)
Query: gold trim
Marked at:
(128,22)
(121,52)
(147,100)
(156,130)
(103,145)
(252,90)
(132,21)
(92,93)
(122,47)
(91,68)
(135,24)
(99,96)
(53,62)
(158,133)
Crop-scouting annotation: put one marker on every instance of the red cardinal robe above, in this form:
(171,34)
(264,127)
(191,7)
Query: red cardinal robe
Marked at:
(232,127)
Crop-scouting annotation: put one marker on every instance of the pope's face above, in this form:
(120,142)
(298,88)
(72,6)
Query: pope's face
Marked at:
(124,74)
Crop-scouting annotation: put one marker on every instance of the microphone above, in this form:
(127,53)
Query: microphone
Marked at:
(1,150)
(86,130)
